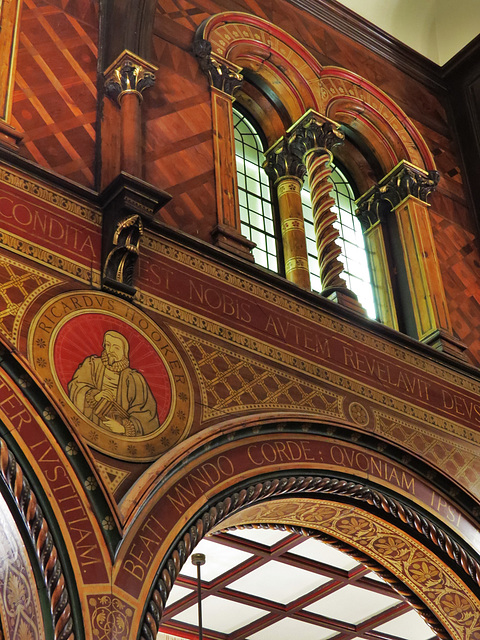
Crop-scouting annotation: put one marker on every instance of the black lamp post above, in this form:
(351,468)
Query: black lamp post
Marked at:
(198,559)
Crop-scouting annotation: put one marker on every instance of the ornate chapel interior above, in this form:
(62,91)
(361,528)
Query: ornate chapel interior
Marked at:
(239,320)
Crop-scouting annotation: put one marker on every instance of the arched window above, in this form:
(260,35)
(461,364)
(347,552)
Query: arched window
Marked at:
(254,195)
(258,224)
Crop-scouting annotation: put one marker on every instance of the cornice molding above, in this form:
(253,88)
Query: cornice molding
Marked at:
(378,41)
(463,61)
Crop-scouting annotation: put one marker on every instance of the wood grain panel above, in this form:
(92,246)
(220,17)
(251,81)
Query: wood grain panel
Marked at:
(54,100)
(180,84)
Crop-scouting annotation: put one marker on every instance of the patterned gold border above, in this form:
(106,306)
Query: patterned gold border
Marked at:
(432,581)
(303,310)
(49,258)
(47,194)
(18,309)
(332,402)
(322,373)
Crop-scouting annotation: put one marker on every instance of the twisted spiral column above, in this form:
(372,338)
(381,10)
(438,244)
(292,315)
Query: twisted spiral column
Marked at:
(318,162)
(46,552)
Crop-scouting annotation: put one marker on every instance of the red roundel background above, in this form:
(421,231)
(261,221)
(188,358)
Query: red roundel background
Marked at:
(82,336)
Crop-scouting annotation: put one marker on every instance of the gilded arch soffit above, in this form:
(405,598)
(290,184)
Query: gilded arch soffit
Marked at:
(229,475)
(431,580)
(444,594)
(302,83)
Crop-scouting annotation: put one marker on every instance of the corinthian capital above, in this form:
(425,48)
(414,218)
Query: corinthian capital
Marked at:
(128,74)
(222,74)
(314,131)
(284,159)
(403,180)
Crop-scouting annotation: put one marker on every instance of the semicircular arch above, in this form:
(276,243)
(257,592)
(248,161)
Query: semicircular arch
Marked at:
(249,468)
(360,105)
(285,68)
(282,63)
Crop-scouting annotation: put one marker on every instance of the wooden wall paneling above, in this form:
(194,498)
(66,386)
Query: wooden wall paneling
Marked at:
(54,102)
(178,140)
(9,26)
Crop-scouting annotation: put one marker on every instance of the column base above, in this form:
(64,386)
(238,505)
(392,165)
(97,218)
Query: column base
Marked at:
(345,298)
(230,239)
(444,341)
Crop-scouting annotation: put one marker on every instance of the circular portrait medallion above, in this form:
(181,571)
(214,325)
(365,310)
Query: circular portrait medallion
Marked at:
(118,377)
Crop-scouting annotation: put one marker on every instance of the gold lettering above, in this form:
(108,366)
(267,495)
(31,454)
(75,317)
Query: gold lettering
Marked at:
(134,569)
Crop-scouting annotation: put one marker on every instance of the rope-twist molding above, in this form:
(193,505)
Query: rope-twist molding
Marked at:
(295,485)
(42,540)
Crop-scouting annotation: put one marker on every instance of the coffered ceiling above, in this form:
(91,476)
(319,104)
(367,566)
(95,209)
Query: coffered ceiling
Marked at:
(265,584)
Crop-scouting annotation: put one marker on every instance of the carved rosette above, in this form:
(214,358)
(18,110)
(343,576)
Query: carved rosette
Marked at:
(128,74)
(221,73)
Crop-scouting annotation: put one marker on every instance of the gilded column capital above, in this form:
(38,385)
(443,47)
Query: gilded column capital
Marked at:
(285,158)
(402,181)
(221,73)
(314,132)
(128,74)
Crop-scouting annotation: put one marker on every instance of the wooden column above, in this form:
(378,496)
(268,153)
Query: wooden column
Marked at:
(125,80)
(287,170)
(318,135)
(406,189)
(224,78)
(9,29)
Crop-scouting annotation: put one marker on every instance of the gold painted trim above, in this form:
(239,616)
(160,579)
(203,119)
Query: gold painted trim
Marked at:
(50,259)
(10,56)
(46,194)
(320,372)
(127,54)
(302,310)
(296,262)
